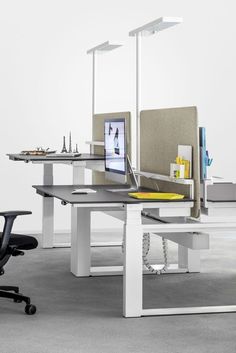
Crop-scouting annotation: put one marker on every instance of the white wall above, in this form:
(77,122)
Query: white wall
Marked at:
(45,79)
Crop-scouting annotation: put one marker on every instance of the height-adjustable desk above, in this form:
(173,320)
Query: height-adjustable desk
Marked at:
(103,200)
(79,164)
(134,227)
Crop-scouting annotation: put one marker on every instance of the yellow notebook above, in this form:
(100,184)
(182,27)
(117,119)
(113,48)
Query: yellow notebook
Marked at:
(156,195)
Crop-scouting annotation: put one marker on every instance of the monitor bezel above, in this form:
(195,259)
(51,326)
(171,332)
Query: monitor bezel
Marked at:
(107,169)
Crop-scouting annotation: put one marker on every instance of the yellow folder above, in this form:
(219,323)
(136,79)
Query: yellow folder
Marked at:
(156,195)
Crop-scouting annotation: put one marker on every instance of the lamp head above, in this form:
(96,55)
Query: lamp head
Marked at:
(156,26)
(103,48)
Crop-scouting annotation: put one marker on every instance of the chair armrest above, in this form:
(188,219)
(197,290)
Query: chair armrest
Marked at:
(14,213)
(9,216)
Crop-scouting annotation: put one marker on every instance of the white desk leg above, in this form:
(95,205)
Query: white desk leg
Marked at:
(78,178)
(48,209)
(78,173)
(133,268)
(189,259)
(80,242)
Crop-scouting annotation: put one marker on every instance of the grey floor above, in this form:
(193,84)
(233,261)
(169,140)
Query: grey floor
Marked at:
(84,315)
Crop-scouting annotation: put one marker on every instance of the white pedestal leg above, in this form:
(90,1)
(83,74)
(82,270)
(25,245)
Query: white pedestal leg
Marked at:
(78,173)
(132,275)
(48,209)
(189,259)
(80,242)
(78,178)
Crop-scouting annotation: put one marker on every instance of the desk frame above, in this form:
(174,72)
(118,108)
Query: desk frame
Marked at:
(133,243)
(133,266)
(188,259)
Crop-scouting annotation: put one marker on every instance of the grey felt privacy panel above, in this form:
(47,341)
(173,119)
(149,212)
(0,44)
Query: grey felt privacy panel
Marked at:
(161,131)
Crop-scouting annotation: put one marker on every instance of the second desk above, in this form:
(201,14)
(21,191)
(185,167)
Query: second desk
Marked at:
(79,164)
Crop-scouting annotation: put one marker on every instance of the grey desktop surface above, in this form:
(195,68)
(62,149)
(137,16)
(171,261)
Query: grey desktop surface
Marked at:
(28,158)
(63,192)
(223,192)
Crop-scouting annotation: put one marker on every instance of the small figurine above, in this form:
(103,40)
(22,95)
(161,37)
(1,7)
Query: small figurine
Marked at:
(70,147)
(76,148)
(64,150)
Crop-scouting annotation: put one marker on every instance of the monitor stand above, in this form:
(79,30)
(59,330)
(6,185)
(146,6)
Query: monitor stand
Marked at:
(134,183)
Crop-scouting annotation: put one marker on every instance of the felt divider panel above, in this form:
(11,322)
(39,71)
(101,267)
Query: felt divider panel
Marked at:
(161,131)
(98,135)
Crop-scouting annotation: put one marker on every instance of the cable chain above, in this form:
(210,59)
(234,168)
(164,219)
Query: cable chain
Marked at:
(146,249)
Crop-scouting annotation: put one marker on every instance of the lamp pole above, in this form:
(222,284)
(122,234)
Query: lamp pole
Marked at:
(146,30)
(138,98)
(93,84)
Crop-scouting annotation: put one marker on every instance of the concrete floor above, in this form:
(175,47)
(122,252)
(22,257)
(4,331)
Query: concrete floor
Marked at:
(84,315)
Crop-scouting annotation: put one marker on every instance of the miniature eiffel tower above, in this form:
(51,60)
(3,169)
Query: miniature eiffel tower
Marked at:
(64,150)
(70,147)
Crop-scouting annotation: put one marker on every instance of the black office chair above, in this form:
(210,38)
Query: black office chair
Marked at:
(12,245)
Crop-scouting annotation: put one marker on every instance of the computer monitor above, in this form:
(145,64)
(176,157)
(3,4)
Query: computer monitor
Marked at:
(115,150)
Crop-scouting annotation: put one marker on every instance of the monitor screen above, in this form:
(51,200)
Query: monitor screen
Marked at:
(115,146)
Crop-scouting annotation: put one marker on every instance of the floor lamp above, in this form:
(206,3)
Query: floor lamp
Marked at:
(99,49)
(148,29)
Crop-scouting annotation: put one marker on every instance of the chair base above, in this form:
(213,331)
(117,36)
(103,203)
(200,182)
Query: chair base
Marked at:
(10,288)
(12,292)
(6,292)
